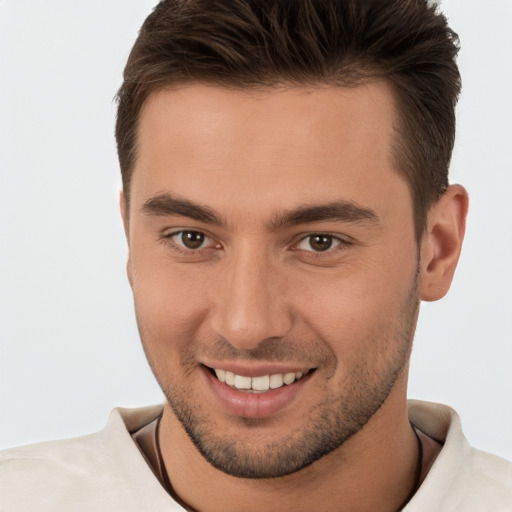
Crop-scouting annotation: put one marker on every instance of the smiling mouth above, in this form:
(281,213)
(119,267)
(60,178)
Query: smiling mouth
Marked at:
(259,384)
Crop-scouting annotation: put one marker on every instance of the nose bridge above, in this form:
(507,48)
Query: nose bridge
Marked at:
(250,306)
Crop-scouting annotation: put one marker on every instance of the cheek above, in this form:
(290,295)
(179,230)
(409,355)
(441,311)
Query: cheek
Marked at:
(170,303)
(361,304)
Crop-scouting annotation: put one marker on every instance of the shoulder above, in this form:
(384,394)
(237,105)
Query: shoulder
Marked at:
(462,477)
(478,481)
(59,475)
(487,474)
(56,472)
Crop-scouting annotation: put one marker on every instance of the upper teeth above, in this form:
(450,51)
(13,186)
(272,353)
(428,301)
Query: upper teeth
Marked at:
(261,383)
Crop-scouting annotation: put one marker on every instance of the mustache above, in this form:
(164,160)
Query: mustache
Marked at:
(274,350)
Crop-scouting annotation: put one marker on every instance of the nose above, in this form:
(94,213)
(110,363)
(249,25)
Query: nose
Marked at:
(251,303)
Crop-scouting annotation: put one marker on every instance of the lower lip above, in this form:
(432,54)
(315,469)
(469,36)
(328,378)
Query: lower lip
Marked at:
(254,405)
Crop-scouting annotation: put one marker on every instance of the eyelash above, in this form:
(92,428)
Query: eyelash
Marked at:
(341,243)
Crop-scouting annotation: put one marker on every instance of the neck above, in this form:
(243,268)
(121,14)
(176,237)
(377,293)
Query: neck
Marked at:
(375,469)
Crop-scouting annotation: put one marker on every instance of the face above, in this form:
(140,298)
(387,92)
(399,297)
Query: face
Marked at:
(274,267)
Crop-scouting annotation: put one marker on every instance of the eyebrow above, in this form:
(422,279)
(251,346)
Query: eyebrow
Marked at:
(342,211)
(167,204)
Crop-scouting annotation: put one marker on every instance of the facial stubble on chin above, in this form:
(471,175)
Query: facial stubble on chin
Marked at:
(331,422)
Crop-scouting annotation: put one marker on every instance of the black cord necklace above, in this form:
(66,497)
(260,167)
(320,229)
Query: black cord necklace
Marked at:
(162,470)
(167,483)
(419,467)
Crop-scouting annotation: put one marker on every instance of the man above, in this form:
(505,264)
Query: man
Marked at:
(286,206)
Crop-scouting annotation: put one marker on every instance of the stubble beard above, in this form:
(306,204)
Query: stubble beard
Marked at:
(330,423)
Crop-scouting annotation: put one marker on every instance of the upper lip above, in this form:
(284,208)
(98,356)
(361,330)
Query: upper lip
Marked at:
(257,369)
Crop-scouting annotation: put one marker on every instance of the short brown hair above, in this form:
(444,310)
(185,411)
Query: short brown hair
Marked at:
(253,43)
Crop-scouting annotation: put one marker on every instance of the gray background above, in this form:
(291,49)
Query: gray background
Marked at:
(69,347)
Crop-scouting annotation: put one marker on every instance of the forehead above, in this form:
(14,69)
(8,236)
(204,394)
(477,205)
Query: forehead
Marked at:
(282,144)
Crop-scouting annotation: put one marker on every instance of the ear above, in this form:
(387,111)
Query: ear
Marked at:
(442,242)
(124,212)
(124,215)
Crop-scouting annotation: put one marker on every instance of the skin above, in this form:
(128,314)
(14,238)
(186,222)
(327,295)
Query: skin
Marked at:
(258,297)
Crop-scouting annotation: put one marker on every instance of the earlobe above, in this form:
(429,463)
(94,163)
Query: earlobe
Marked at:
(442,243)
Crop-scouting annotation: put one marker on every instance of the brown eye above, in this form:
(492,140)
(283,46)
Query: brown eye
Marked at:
(320,243)
(192,239)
